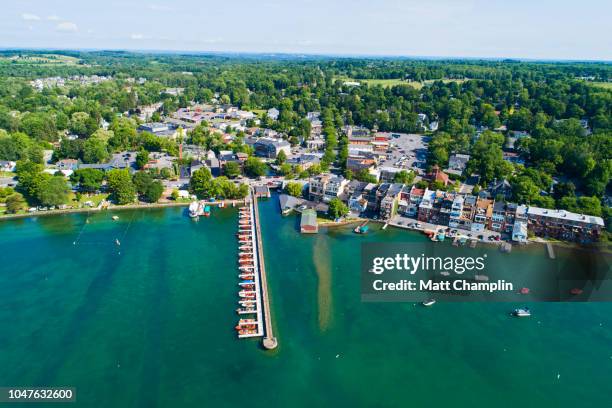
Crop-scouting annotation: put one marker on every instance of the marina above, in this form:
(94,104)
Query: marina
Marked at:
(253,293)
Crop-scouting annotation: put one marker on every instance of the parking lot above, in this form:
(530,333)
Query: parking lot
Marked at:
(412,223)
(408,151)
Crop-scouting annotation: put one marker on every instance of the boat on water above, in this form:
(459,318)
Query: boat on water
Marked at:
(206,211)
(221,204)
(117,242)
(195,209)
(246,294)
(242,310)
(521,312)
(246,276)
(115,217)
(243,332)
(429,302)
(362,229)
(246,261)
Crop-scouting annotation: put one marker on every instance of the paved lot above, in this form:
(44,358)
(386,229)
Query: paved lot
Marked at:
(409,151)
(409,223)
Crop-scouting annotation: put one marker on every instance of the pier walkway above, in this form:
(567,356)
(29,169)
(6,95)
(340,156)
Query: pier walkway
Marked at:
(269,340)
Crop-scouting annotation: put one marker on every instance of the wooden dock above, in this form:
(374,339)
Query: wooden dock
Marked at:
(269,340)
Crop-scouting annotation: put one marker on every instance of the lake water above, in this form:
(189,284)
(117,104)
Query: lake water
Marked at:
(150,323)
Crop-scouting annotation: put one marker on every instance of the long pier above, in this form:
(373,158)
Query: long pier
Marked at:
(269,340)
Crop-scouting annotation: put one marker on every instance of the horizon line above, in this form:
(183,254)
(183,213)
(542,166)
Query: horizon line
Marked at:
(305,54)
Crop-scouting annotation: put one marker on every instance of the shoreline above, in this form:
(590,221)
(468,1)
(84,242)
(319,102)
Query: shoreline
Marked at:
(94,209)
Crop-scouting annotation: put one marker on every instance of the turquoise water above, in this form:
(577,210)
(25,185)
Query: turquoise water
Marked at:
(150,323)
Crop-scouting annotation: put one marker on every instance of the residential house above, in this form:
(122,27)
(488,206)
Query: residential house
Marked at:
(334,188)
(357,201)
(426,206)
(456,218)
(317,185)
(509,216)
(67,164)
(500,189)
(305,160)
(389,203)
(413,201)
(482,215)
(7,165)
(457,164)
(519,232)
(498,218)
(273,113)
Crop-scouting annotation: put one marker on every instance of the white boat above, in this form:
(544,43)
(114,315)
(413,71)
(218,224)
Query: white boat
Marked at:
(521,312)
(195,209)
(115,217)
(429,302)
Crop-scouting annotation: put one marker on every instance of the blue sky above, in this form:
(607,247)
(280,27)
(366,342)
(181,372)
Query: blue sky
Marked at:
(541,29)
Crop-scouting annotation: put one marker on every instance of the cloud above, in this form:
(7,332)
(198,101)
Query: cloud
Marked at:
(30,17)
(53,17)
(67,26)
(137,36)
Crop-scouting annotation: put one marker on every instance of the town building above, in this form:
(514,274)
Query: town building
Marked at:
(565,225)
(270,148)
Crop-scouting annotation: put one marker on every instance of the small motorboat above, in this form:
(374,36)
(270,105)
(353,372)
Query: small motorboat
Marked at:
(115,217)
(521,312)
(429,302)
(576,291)
(117,242)
(524,291)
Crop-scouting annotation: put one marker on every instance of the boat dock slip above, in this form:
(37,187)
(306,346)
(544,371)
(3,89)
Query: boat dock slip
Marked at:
(269,340)
(249,300)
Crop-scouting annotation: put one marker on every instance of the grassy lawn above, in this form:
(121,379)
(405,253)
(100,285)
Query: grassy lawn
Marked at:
(387,83)
(41,59)
(604,85)
(95,198)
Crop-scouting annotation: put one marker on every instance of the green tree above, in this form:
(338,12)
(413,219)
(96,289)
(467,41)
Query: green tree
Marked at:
(337,208)
(89,180)
(200,182)
(15,203)
(121,186)
(142,180)
(95,150)
(404,177)
(294,189)
(53,191)
(254,167)
(142,158)
(154,191)
(231,169)
(281,158)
